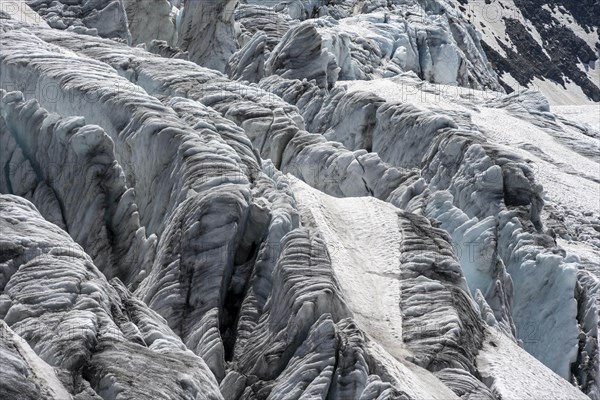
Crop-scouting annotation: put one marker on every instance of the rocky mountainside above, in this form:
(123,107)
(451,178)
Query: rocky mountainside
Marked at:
(305,199)
(550,45)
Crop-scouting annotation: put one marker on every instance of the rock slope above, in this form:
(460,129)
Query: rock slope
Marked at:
(550,45)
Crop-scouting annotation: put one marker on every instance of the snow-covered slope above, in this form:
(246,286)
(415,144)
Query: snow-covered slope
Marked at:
(368,263)
(549,45)
(563,155)
(512,374)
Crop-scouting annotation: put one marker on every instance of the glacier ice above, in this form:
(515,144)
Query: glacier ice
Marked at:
(206,31)
(106,18)
(261,201)
(151,21)
(92,331)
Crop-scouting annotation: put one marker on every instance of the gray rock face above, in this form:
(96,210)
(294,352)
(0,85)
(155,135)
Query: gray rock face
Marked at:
(283,236)
(535,36)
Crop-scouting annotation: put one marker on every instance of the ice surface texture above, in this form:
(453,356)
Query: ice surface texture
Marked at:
(170,232)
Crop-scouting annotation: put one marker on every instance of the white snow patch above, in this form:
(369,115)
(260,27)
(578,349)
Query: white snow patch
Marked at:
(513,374)
(363,238)
(565,18)
(429,95)
(488,20)
(581,250)
(561,171)
(567,186)
(510,81)
(588,115)
(556,94)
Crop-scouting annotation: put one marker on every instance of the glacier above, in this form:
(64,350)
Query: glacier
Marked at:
(306,199)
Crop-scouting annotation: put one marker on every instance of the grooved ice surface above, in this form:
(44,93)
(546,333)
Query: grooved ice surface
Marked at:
(292,224)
